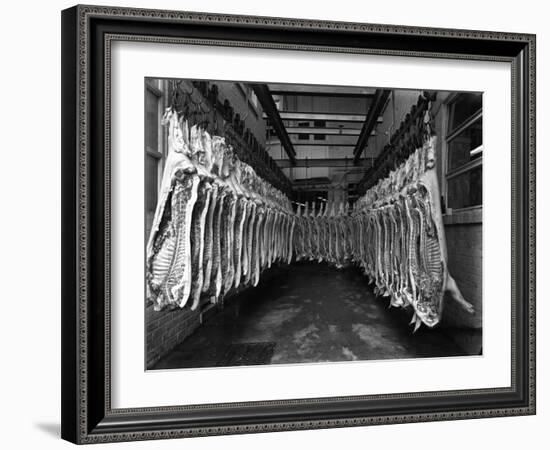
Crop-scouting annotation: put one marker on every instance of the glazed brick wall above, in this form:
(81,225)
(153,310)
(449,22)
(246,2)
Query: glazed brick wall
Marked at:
(464,245)
(166,329)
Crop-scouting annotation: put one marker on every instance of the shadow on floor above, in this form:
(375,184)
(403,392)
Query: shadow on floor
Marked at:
(307,312)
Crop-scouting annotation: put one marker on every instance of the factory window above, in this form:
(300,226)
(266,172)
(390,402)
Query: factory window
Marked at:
(464,139)
(319,124)
(301,136)
(153,152)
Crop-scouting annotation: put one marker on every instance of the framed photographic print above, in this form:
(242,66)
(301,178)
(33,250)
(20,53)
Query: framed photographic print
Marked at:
(281,224)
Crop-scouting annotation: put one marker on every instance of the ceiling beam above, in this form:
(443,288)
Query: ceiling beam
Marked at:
(323,162)
(313,187)
(330,140)
(351,96)
(378,103)
(329,117)
(327,131)
(266,100)
(301,181)
(327,140)
(297,143)
(302,89)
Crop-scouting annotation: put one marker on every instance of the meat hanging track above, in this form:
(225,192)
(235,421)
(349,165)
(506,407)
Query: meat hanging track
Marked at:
(218,225)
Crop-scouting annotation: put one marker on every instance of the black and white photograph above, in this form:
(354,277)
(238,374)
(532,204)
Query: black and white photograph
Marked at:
(303,223)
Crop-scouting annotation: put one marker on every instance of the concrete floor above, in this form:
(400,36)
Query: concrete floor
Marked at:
(307,312)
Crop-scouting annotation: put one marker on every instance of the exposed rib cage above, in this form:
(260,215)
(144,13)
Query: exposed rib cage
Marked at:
(217,224)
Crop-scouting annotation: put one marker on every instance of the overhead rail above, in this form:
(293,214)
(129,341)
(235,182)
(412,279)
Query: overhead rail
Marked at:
(378,104)
(270,109)
(406,139)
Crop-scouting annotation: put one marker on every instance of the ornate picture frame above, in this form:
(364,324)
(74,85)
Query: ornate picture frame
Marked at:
(87,35)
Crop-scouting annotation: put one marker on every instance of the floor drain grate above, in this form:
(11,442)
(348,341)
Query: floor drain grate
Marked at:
(249,353)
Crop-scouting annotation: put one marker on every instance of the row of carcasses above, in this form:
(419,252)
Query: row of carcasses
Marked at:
(395,244)
(394,234)
(323,234)
(217,224)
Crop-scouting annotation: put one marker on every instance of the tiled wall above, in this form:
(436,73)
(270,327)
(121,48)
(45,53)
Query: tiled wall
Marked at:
(464,246)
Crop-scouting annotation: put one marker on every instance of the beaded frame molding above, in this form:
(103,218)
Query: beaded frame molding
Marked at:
(87,35)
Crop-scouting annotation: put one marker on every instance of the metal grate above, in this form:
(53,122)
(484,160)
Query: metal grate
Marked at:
(246,354)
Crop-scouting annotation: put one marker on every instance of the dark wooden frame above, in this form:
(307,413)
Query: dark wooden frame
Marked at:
(87,32)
